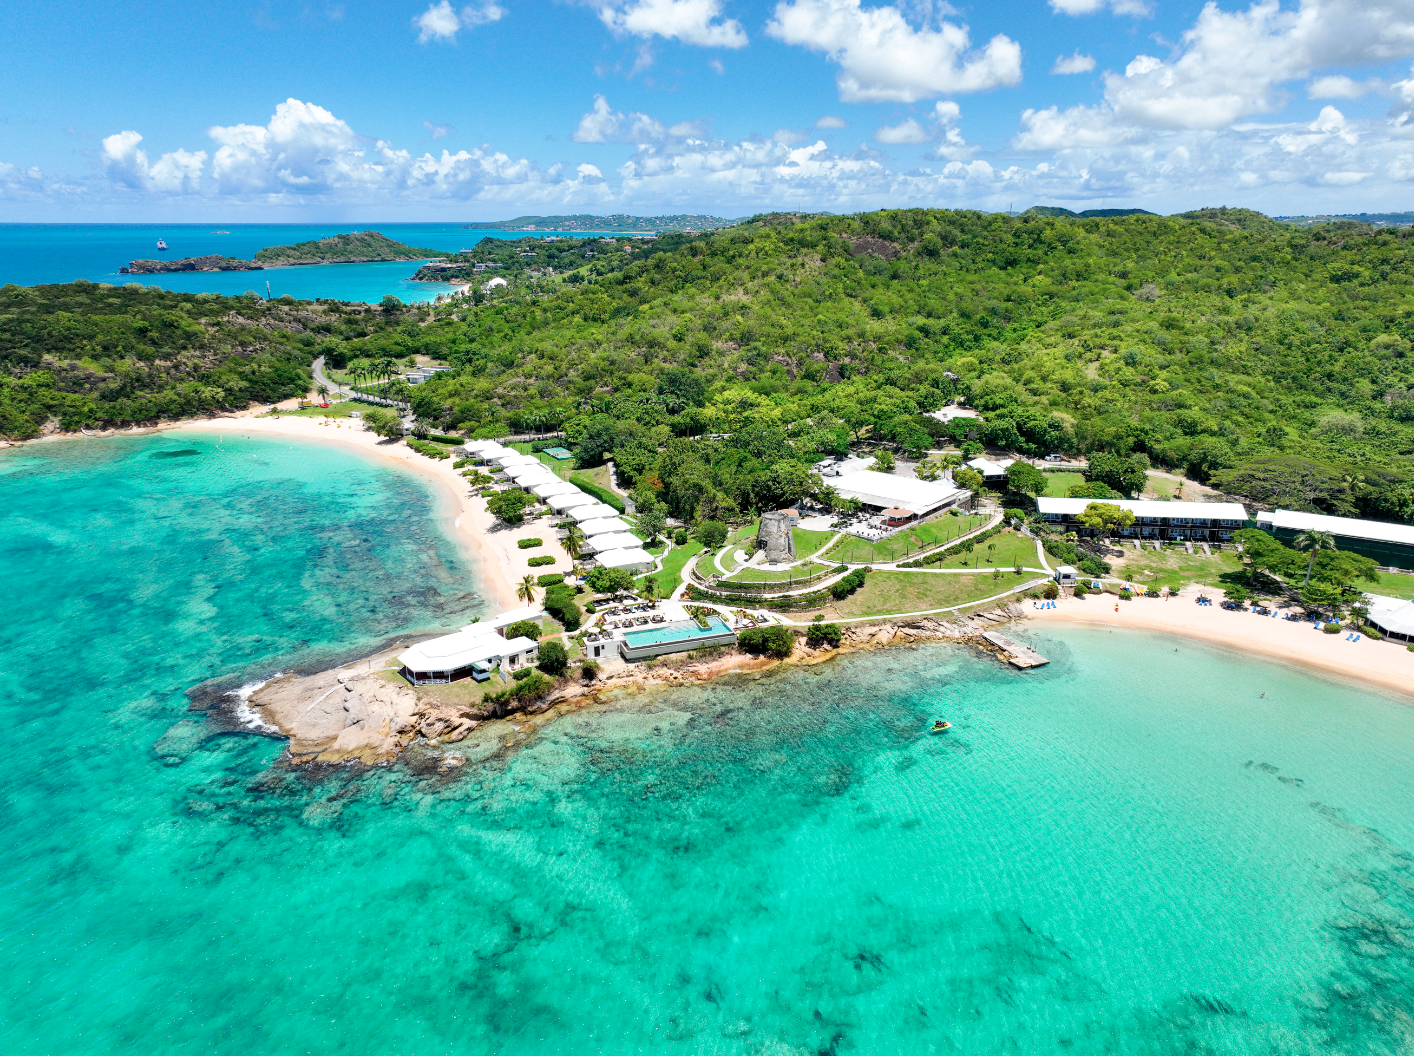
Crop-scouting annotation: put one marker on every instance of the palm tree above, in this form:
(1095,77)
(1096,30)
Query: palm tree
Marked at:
(1313,541)
(323,391)
(573,541)
(526,589)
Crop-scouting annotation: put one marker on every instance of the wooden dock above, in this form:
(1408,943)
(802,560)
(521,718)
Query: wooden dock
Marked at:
(1015,653)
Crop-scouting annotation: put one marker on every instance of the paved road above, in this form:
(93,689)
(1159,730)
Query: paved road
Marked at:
(320,378)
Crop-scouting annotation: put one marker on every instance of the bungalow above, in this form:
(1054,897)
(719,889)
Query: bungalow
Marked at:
(993,472)
(473,652)
(594,510)
(630,559)
(1212,522)
(606,541)
(568,501)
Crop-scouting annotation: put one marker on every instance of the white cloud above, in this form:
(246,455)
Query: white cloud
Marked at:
(688,21)
(1337,87)
(909,131)
(436,131)
(126,165)
(1343,179)
(1090,7)
(830,121)
(1077,127)
(1076,63)
(441,22)
(716,66)
(604,124)
(591,171)
(884,58)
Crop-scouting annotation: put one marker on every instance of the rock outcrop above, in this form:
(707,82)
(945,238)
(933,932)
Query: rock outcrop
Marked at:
(212,262)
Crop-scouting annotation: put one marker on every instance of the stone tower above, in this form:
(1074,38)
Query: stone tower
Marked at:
(775,538)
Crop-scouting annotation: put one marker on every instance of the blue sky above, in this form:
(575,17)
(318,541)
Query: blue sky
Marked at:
(336,109)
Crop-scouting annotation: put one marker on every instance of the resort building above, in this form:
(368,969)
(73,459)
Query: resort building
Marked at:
(1212,522)
(1392,617)
(631,559)
(1390,545)
(596,509)
(606,541)
(570,500)
(473,652)
(884,491)
(553,486)
(993,472)
(529,471)
(484,449)
(514,458)
(601,525)
(420,374)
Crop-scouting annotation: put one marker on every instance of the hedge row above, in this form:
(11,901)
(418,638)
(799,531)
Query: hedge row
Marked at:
(560,603)
(424,448)
(543,559)
(604,495)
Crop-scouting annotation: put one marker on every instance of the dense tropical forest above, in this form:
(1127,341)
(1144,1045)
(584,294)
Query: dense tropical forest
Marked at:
(1266,359)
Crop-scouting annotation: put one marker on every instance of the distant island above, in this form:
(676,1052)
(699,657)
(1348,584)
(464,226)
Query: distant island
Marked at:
(358,247)
(617,222)
(1373,219)
(213,262)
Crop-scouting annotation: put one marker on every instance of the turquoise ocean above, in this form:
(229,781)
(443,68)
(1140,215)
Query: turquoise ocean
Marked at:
(1129,851)
(31,254)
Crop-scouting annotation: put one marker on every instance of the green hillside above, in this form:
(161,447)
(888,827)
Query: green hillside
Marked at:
(1214,342)
(360,247)
(616,222)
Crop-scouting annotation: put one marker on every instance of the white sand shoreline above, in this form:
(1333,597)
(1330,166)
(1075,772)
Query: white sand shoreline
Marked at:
(1388,665)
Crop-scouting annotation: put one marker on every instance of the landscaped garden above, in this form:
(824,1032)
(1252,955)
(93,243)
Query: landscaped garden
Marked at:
(906,544)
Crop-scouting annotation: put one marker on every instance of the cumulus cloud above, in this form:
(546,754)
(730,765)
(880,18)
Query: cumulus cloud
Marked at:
(1076,63)
(126,164)
(909,131)
(885,58)
(1338,87)
(689,21)
(441,22)
(436,131)
(830,121)
(604,124)
(1090,7)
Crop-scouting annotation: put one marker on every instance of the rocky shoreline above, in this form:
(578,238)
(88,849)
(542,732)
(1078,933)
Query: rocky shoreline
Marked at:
(212,262)
(359,713)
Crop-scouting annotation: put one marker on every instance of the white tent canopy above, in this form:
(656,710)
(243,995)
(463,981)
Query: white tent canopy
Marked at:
(605,524)
(581,514)
(515,458)
(611,541)
(484,448)
(631,560)
(570,500)
(519,471)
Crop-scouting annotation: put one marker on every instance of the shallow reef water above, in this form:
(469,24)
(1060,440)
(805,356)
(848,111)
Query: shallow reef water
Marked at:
(1129,851)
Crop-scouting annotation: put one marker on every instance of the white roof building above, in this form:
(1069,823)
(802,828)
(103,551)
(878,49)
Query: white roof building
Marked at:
(605,541)
(1392,617)
(569,500)
(1154,509)
(952,411)
(1349,527)
(520,470)
(484,448)
(885,491)
(989,468)
(510,616)
(580,514)
(631,560)
(514,458)
(601,525)
(454,655)
(554,486)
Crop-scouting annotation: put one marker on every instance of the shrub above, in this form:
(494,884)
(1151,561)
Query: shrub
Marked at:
(1081,589)
(818,634)
(847,586)
(553,659)
(521,674)
(524,629)
(1331,628)
(603,580)
(680,537)
(774,641)
(1370,632)
(542,560)
(589,670)
(560,603)
(1050,591)
(712,534)
(422,447)
(509,506)
(1126,594)
(550,579)
(383,422)
(529,544)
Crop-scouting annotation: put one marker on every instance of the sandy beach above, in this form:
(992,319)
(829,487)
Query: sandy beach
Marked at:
(1385,664)
(491,547)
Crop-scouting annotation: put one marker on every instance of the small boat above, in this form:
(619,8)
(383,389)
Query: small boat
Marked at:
(161,244)
(940,727)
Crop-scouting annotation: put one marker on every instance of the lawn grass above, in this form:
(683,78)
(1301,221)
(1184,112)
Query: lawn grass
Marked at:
(905,544)
(671,575)
(1058,485)
(1011,548)
(897,592)
(776,575)
(334,410)
(806,543)
(1391,585)
(1175,569)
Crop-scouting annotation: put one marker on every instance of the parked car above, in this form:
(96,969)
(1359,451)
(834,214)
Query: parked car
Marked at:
(1055,458)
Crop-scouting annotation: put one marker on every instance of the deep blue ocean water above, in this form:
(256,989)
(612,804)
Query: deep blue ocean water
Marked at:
(1129,851)
(31,254)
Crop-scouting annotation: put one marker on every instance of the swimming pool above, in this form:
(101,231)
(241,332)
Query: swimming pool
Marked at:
(675,638)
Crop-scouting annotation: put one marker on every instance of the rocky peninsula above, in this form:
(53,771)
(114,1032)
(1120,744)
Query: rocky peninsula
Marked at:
(211,262)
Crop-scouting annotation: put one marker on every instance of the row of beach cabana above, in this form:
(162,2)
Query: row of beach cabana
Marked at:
(606,535)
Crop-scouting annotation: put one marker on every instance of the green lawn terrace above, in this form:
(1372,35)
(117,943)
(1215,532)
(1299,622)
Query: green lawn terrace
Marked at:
(907,544)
